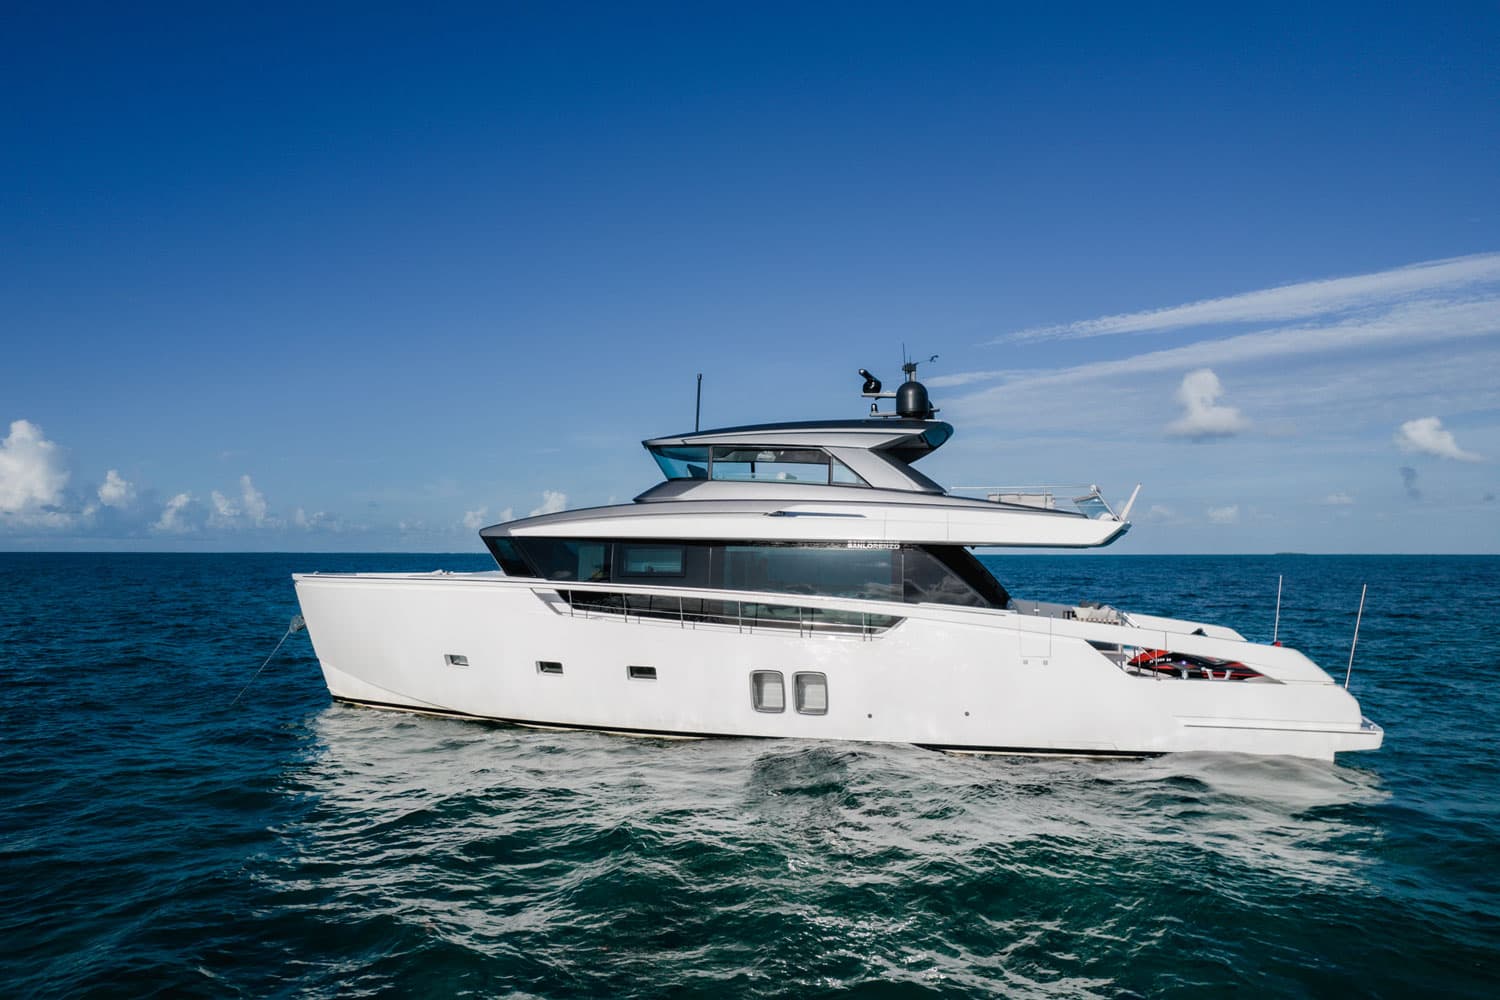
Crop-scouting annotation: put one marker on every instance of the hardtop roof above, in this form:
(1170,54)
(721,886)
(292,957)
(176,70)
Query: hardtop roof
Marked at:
(907,440)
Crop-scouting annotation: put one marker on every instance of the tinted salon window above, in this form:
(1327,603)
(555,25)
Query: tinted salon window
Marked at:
(925,580)
(801,569)
(566,559)
(650,560)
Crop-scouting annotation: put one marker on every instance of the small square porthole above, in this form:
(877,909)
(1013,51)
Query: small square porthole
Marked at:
(812,693)
(548,667)
(767,691)
(456,659)
(640,673)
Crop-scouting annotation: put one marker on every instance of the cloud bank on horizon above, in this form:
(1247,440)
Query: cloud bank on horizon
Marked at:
(35,503)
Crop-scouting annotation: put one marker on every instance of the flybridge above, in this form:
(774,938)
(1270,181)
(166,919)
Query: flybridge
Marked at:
(857,453)
(876,452)
(852,461)
(821,482)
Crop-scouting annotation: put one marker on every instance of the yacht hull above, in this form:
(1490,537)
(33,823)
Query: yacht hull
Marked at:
(968,680)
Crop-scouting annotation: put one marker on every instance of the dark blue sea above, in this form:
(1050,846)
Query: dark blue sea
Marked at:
(157,840)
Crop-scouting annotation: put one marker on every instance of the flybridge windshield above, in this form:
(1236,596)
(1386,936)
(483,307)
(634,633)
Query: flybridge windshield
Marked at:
(682,463)
(755,463)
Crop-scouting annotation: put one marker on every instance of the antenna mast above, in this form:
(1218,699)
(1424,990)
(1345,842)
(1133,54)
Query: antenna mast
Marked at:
(1276,627)
(1362,588)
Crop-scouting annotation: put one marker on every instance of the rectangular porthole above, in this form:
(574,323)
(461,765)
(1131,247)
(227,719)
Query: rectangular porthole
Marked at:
(767,691)
(812,693)
(641,673)
(548,667)
(456,659)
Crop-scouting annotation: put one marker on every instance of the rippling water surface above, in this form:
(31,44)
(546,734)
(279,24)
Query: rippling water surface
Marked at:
(154,839)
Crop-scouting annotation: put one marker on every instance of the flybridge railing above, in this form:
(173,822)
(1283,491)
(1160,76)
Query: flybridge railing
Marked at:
(1083,499)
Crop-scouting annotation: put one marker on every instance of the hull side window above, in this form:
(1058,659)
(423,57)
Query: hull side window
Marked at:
(812,693)
(767,691)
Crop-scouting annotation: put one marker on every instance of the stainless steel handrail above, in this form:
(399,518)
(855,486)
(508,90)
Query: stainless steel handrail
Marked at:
(809,620)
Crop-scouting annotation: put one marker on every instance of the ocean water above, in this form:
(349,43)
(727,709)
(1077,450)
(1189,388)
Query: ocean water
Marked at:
(157,840)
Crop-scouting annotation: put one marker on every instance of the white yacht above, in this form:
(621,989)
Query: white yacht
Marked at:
(805,580)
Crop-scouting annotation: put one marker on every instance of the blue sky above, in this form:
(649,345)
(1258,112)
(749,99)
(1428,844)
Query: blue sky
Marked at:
(364,280)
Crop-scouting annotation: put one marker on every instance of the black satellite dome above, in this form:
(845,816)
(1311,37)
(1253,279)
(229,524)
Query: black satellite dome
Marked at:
(912,401)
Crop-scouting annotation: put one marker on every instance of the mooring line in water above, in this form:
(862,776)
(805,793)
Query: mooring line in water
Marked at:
(297,625)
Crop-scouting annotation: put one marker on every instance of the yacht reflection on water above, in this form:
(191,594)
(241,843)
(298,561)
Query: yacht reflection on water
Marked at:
(438,792)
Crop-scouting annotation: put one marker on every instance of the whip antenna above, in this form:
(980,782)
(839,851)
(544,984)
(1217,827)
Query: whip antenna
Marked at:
(1276,626)
(1362,588)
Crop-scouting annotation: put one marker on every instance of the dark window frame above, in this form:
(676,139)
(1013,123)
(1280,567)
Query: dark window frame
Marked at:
(705,562)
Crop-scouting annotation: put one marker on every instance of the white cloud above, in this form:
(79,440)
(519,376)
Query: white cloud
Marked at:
(552,502)
(1202,416)
(1339,499)
(248,511)
(32,476)
(172,518)
(1426,435)
(116,491)
(318,521)
(254,501)
(473,520)
(1224,515)
(225,513)
(1289,302)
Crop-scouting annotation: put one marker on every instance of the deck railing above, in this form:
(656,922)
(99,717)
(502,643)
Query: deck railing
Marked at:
(1084,499)
(741,615)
